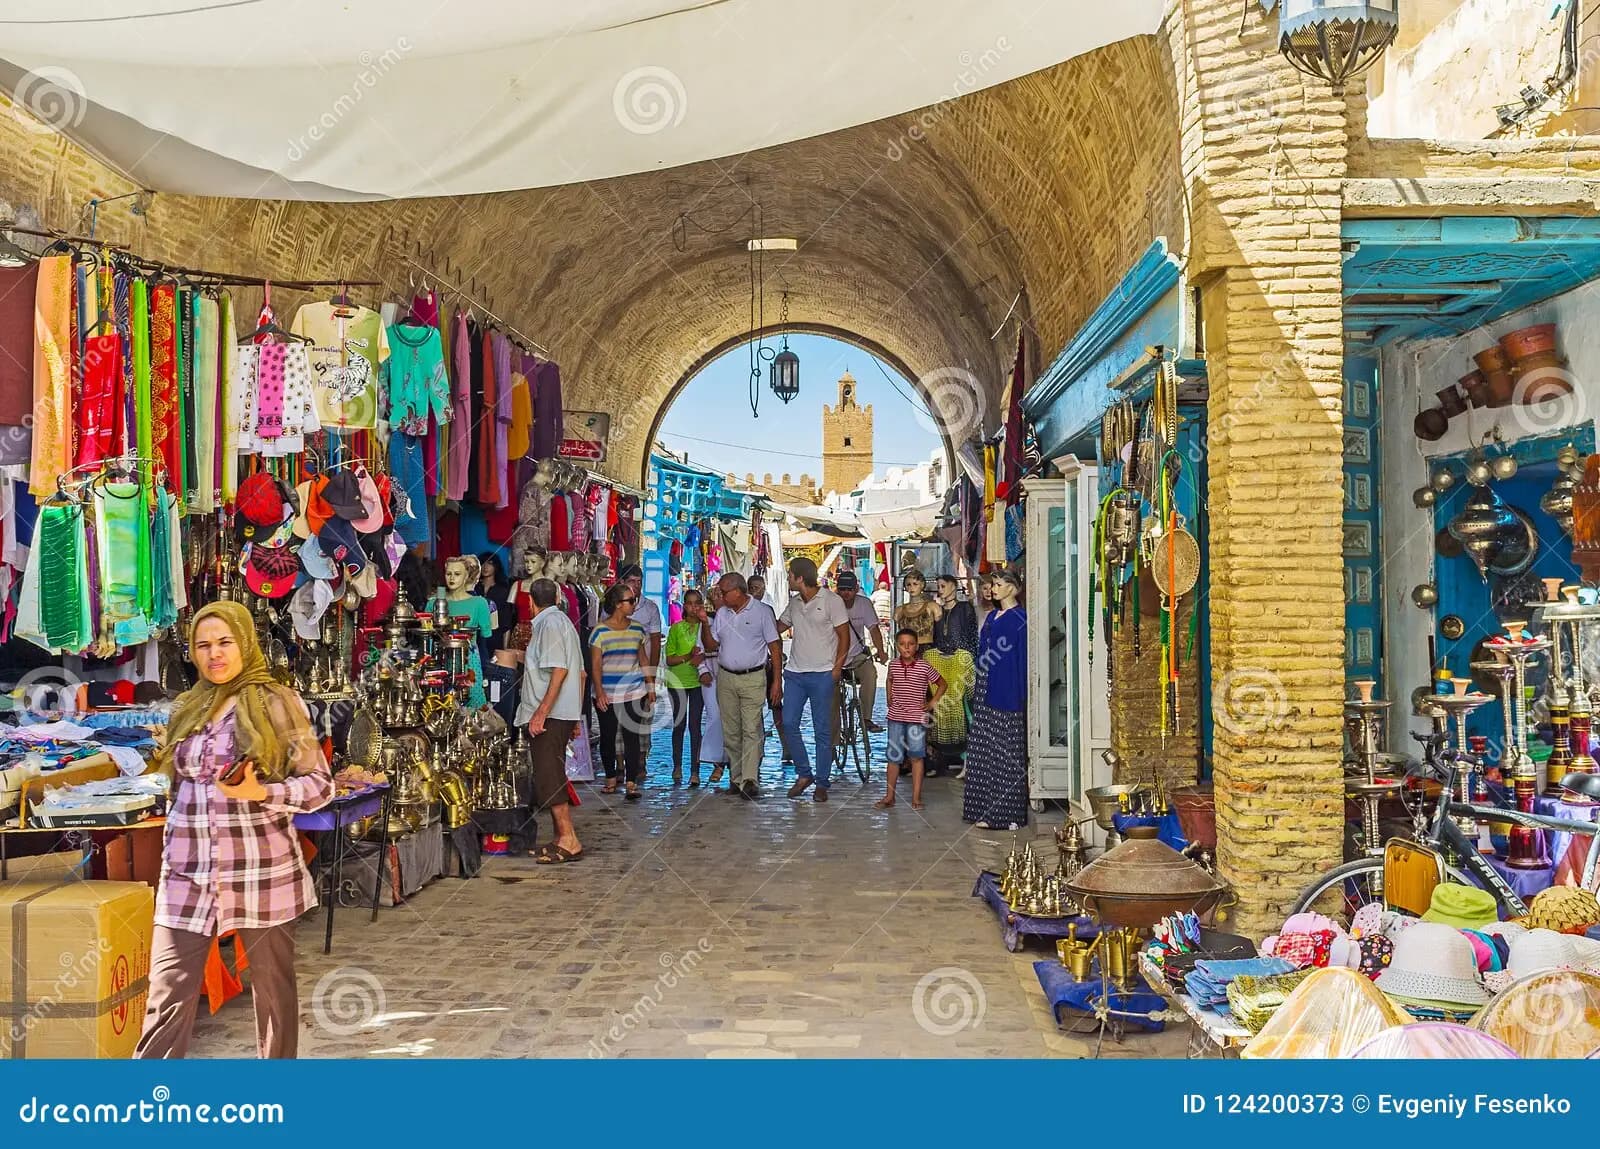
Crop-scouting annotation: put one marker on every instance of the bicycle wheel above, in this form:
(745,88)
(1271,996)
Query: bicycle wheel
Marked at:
(1354,879)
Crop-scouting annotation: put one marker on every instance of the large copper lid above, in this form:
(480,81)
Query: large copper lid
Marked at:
(1143,868)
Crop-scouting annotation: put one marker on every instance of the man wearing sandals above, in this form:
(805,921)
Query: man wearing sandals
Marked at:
(550,706)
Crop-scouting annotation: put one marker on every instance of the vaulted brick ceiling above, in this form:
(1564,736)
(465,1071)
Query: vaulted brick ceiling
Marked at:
(916,234)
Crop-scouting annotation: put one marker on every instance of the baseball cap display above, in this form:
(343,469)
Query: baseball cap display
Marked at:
(340,543)
(314,509)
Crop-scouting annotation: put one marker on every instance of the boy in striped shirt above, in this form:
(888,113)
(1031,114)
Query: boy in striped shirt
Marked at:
(910,681)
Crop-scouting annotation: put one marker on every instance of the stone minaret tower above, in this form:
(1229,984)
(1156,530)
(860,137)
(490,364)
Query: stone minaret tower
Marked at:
(846,440)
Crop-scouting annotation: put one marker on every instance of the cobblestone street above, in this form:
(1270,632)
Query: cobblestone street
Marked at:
(698,924)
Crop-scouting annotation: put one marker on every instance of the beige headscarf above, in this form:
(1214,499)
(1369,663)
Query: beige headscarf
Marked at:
(260,710)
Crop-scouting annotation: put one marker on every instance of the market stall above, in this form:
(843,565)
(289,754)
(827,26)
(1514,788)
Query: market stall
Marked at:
(334,462)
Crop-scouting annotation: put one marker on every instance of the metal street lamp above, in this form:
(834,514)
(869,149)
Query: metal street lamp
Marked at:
(1336,39)
(784,374)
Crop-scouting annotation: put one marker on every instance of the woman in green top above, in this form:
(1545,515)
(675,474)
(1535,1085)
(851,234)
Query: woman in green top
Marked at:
(684,681)
(623,687)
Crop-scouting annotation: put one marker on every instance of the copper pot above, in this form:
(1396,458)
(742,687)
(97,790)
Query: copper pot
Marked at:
(1430,425)
(1451,401)
(1496,369)
(1542,377)
(1142,881)
(1540,338)
(1476,387)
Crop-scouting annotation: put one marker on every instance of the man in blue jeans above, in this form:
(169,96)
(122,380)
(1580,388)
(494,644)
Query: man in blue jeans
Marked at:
(821,638)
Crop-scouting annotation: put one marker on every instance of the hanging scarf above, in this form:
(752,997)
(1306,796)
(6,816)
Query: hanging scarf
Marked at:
(460,429)
(122,307)
(184,484)
(52,389)
(265,714)
(164,417)
(64,605)
(102,398)
(164,606)
(269,390)
(139,327)
(126,584)
(227,419)
(204,430)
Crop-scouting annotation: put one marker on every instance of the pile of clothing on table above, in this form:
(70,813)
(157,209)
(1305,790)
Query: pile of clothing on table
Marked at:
(1222,972)
(39,749)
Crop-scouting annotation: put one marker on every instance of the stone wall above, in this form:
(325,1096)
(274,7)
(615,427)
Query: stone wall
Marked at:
(1146,753)
(1264,161)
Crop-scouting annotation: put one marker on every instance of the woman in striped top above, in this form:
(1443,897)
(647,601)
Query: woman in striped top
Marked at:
(623,687)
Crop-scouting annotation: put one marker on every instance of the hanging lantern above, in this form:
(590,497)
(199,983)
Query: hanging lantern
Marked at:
(784,373)
(1336,39)
(1481,527)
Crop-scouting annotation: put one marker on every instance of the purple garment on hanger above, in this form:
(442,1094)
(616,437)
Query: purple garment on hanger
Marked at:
(547,428)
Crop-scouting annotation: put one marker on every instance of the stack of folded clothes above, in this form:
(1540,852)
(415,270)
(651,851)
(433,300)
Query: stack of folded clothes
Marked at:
(1208,982)
(1253,1000)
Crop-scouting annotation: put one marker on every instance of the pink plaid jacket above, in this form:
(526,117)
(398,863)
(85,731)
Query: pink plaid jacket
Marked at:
(235,865)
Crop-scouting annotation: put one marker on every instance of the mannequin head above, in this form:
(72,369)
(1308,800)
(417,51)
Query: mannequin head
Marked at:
(985,592)
(597,570)
(914,584)
(1007,589)
(460,576)
(947,589)
(555,566)
(533,564)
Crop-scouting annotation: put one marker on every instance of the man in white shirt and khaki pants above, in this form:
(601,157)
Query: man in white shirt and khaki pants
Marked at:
(743,635)
(821,628)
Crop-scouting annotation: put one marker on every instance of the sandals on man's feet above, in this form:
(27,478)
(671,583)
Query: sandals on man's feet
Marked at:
(551,854)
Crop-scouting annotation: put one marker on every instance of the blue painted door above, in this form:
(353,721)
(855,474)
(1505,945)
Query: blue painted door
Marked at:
(1363,557)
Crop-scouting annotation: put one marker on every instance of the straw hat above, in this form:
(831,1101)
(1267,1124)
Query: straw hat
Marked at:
(1563,909)
(1433,962)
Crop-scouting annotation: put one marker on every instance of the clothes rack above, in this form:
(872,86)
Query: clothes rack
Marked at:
(156,267)
(474,301)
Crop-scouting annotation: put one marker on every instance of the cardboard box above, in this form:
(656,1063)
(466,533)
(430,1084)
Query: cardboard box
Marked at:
(74,967)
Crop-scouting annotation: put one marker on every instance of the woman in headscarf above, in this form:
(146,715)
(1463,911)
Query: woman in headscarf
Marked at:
(244,761)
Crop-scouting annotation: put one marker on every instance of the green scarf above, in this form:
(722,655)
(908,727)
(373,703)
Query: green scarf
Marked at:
(64,603)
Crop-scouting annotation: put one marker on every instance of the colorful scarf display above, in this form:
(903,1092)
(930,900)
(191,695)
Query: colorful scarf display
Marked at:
(100,407)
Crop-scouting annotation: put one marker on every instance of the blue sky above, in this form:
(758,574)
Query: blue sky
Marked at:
(711,417)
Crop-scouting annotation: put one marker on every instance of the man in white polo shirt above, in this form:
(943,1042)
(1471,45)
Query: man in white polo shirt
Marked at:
(821,629)
(743,634)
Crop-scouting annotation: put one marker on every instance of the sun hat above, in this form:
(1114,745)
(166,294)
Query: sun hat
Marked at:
(1510,931)
(1433,962)
(1564,909)
(1465,907)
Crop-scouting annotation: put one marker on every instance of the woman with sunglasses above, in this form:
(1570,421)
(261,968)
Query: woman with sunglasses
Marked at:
(623,687)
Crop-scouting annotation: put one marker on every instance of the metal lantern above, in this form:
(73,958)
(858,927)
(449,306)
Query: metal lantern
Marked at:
(1481,527)
(785,373)
(1336,39)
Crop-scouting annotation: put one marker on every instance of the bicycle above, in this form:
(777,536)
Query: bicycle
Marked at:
(1446,833)
(852,744)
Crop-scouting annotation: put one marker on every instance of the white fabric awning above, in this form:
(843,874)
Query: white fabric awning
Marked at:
(396,98)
